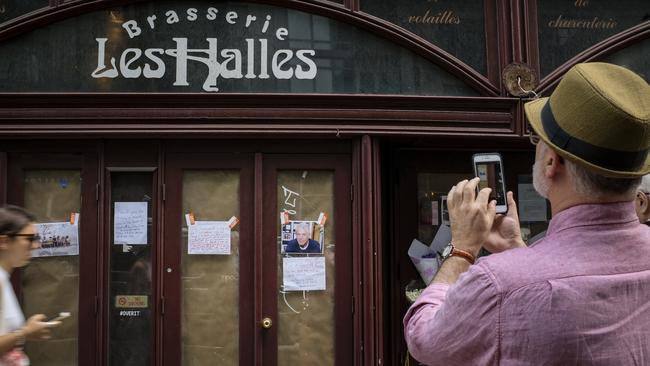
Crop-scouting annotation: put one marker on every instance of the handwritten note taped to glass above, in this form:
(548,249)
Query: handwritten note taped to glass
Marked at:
(208,237)
(303,274)
(130,223)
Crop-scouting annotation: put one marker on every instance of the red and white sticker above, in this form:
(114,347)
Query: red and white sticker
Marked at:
(233,222)
(322,218)
(284,217)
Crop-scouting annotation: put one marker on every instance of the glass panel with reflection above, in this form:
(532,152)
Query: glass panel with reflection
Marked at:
(50,284)
(130,301)
(306,248)
(210,311)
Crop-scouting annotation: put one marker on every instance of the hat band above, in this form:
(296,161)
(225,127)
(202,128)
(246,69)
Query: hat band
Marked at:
(603,157)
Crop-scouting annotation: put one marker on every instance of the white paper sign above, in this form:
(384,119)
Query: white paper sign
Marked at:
(532,206)
(208,237)
(58,238)
(303,274)
(442,238)
(424,259)
(130,223)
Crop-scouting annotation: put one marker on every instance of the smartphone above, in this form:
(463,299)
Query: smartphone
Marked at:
(444,211)
(62,315)
(489,168)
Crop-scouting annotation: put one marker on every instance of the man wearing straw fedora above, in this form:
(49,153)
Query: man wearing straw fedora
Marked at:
(581,295)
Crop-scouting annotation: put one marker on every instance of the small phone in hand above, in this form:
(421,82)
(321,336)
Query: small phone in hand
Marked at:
(489,168)
(62,315)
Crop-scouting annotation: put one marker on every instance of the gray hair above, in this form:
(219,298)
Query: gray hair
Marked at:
(645,184)
(589,183)
(302,225)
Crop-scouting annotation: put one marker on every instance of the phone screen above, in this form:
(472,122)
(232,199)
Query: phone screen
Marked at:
(491,175)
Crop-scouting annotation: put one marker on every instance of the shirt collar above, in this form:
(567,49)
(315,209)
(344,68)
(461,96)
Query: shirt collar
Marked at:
(3,274)
(593,214)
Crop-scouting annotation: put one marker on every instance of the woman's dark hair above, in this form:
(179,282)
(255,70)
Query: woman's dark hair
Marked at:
(13,219)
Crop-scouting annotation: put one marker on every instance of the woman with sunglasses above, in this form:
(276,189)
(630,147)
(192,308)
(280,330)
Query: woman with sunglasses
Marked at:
(18,237)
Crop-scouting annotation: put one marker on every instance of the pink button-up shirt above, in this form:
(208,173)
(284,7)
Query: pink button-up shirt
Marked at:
(580,296)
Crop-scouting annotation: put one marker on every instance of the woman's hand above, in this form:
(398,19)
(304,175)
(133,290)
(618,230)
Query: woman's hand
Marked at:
(37,328)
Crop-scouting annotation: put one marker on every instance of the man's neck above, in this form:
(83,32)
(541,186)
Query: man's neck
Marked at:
(6,266)
(562,199)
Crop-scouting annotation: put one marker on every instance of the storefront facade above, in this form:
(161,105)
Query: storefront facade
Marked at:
(171,126)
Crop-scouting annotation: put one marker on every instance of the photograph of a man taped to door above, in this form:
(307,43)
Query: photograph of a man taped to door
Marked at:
(302,237)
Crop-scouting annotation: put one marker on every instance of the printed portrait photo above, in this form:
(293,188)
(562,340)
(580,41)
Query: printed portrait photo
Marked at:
(302,237)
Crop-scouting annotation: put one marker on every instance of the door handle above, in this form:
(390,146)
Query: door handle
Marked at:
(267,323)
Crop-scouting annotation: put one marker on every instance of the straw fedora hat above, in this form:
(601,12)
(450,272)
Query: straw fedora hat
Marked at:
(599,118)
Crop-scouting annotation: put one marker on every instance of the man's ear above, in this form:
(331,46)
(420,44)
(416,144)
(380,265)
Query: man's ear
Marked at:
(553,163)
(644,203)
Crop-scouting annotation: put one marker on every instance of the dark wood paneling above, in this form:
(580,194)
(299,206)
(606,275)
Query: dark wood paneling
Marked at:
(3,178)
(368,251)
(88,254)
(378,218)
(260,270)
(201,115)
(344,321)
(494,45)
(171,258)
(371,251)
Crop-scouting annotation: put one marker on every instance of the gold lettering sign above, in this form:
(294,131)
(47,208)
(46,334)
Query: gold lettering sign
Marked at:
(131,301)
(435,16)
(591,23)
(441,17)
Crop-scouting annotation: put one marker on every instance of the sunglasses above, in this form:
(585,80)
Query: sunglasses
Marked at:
(30,237)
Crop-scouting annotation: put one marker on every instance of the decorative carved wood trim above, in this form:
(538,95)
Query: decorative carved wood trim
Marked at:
(3,175)
(520,80)
(192,114)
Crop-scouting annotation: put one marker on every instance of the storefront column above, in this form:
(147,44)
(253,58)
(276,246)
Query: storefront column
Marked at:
(367,178)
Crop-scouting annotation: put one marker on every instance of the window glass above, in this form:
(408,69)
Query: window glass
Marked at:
(457,26)
(10,9)
(567,27)
(306,250)
(131,230)
(194,46)
(50,283)
(634,58)
(432,192)
(210,312)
